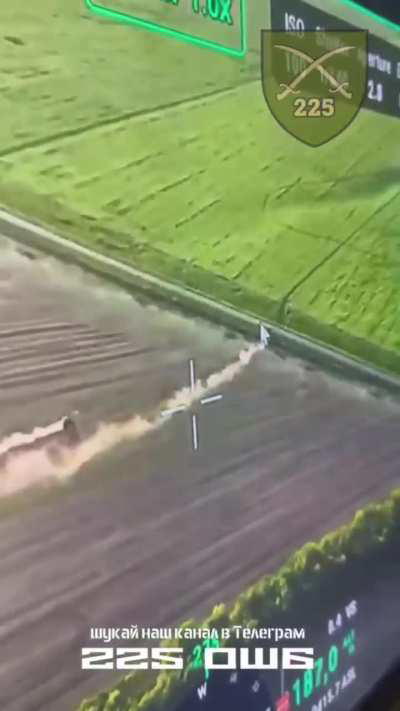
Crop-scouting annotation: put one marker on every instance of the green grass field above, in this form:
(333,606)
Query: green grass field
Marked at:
(166,156)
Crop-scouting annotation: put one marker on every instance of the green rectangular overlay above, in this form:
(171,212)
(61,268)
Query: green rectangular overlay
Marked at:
(220,25)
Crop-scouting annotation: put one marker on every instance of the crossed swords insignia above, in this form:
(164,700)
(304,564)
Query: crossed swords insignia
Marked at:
(315,65)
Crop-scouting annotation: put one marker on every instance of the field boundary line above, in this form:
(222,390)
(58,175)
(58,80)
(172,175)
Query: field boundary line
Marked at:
(30,234)
(120,118)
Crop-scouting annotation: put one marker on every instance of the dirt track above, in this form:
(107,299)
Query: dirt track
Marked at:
(153,533)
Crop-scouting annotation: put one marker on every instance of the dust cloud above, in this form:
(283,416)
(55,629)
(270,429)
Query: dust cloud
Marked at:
(40,466)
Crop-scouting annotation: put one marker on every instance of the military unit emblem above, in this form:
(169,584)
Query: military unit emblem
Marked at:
(314,82)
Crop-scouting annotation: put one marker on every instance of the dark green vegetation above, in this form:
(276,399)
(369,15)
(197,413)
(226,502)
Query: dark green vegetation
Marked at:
(165,156)
(317,571)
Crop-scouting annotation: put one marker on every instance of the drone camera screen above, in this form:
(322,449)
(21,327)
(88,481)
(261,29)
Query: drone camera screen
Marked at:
(200,355)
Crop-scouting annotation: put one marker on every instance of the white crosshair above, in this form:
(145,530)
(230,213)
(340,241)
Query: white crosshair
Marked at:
(264,336)
(193,416)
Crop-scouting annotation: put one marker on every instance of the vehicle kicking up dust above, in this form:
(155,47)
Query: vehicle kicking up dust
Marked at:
(54,438)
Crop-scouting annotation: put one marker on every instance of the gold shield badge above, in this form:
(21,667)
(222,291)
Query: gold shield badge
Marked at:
(314,82)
